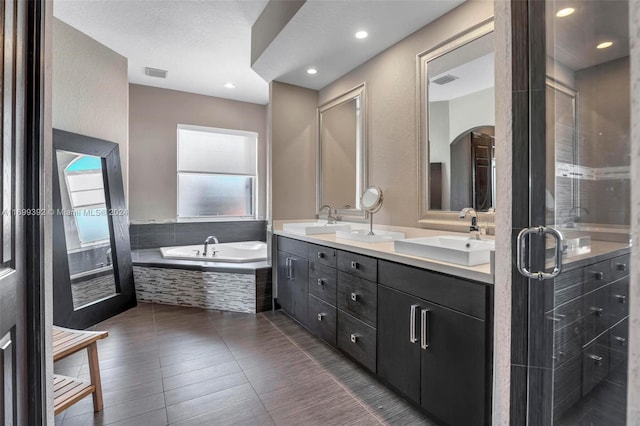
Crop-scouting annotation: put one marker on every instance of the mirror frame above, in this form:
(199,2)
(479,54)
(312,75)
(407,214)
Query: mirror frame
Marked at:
(361,147)
(64,313)
(425,215)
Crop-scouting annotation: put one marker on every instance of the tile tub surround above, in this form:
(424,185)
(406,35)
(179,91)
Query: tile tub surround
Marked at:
(154,235)
(236,287)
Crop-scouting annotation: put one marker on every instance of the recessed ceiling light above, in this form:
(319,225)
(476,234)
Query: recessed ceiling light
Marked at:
(230,85)
(565,12)
(362,34)
(604,45)
(312,71)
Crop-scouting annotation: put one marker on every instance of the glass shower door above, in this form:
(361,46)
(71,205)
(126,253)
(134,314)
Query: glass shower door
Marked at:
(578,320)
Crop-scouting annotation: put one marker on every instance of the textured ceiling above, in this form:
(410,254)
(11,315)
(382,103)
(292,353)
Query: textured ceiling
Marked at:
(204,44)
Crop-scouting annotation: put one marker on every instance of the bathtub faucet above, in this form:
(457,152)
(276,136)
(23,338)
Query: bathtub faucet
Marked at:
(206,244)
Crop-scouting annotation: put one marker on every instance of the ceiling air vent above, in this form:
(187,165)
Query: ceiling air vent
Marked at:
(154,72)
(444,79)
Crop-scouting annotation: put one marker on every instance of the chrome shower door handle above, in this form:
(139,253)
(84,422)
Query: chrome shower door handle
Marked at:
(521,250)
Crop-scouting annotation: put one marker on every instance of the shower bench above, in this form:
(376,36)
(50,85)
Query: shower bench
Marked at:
(69,390)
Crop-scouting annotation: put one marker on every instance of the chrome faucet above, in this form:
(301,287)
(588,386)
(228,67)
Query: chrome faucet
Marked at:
(330,219)
(474,229)
(206,244)
(575,217)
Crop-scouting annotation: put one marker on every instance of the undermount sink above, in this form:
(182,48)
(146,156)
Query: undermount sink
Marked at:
(458,250)
(363,236)
(314,228)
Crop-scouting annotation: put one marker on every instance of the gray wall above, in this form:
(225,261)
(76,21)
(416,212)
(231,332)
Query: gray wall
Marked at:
(392,115)
(154,116)
(292,112)
(90,90)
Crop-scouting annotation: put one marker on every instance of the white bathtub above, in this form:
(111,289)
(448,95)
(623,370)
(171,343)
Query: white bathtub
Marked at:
(241,252)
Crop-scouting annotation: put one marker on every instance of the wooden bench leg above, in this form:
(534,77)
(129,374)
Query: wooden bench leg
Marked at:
(94,372)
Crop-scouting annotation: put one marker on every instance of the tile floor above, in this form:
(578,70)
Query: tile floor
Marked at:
(173,365)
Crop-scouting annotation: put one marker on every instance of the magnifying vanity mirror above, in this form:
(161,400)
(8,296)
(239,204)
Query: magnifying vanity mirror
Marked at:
(342,153)
(457,119)
(371,202)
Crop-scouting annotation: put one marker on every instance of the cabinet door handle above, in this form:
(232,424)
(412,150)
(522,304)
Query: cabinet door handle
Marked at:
(424,328)
(287,263)
(320,282)
(597,360)
(412,324)
(354,264)
(597,311)
(621,298)
(621,266)
(320,255)
(291,268)
(597,275)
(320,316)
(621,340)
(354,338)
(354,296)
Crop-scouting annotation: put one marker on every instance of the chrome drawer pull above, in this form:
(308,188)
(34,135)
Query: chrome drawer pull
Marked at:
(424,327)
(320,255)
(621,298)
(597,275)
(354,296)
(320,316)
(597,360)
(621,266)
(621,340)
(597,311)
(320,281)
(354,338)
(412,324)
(354,264)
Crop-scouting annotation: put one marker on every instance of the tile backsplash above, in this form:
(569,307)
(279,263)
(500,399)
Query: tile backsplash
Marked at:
(154,235)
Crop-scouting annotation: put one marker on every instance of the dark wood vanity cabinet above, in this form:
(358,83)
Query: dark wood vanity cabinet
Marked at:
(423,333)
(434,355)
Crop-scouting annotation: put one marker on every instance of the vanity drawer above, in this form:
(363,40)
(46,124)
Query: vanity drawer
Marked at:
(620,266)
(567,343)
(597,313)
(358,297)
(322,320)
(568,313)
(618,351)
(357,339)
(323,255)
(596,275)
(323,282)
(358,265)
(595,363)
(619,299)
(296,247)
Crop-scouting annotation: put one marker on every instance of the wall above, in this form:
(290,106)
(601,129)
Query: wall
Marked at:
(154,116)
(292,112)
(90,90)
(391,110)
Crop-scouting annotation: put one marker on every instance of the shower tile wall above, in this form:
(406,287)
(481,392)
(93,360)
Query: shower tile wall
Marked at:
(153,235)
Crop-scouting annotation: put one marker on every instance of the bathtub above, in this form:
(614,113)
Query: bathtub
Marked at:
(240,252)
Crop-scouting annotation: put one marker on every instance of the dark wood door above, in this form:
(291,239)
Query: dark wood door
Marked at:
(398,355)
(20,121)
(453,366)
(481,163)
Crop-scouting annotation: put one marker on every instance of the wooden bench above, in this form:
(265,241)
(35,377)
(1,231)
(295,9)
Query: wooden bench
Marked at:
(68,390)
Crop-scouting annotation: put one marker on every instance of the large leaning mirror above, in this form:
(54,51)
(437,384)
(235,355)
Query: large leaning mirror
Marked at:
(93,277)
(457,124)
(342,153)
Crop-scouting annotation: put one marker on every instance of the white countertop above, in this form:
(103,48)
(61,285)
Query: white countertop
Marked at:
(385,250)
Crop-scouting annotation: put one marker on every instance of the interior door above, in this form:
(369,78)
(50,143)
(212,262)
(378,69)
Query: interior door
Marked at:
(20,330)
(575,250)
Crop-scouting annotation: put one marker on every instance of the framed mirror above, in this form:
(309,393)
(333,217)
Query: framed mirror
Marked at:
(93,276)
(457,125)
(342,153)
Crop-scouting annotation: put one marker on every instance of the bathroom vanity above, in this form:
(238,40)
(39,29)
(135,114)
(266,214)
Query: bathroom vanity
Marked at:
(426,333)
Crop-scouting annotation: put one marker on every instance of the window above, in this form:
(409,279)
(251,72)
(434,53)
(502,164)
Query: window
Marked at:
(217,173)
